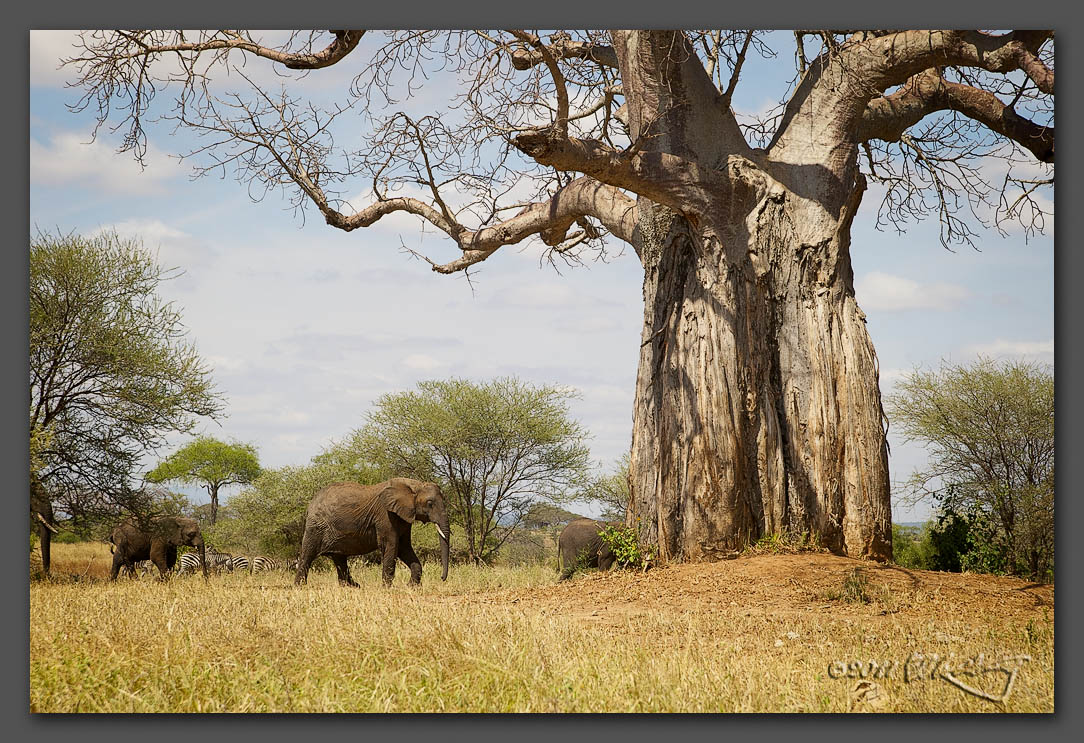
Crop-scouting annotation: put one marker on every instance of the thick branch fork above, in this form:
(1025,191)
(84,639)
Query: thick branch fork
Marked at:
(887,118)
(664,178)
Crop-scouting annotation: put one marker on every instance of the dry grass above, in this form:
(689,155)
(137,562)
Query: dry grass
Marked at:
(753,634)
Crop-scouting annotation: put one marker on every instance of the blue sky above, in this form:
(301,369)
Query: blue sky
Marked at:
(306,326)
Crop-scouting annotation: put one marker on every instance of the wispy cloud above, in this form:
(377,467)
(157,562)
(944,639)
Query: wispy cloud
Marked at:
(175,248)
(887,293)
(1027,349)
(47,48)
(66,159)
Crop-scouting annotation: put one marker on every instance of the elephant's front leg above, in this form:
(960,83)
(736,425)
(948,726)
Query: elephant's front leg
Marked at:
(410,559)
(118,561)
(389,551)
(160,560)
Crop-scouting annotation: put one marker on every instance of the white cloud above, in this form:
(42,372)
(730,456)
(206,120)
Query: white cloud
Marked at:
(68,158)
(539,295)
(1027,349)
(421,362)
(887,293)
(174,248)
(47,48)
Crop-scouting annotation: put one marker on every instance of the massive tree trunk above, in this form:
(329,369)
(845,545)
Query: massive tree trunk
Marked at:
(757,402)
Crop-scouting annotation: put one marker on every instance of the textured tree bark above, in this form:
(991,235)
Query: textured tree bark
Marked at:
(757,402)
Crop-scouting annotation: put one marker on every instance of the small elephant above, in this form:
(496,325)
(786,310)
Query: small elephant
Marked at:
(581,546)
(156,540)
(346,519)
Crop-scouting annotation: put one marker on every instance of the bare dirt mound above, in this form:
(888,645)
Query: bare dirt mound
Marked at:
(802,583)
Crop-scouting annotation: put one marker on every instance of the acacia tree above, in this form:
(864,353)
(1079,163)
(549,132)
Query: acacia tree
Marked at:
(110,374)
(211,463)
(989,429)
(497,448)
(757,402)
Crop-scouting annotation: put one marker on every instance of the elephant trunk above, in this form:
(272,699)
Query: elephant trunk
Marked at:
(445,533)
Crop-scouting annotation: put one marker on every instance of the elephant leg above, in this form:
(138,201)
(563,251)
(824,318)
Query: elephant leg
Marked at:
(343,569)
(118,560)
(387,562)
(158,557)
(171,557)
(310,550)
(45,537)
(605,562)
(566,565)
(410,559)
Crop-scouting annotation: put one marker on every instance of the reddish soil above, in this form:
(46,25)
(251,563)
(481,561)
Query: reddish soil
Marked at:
(806,583)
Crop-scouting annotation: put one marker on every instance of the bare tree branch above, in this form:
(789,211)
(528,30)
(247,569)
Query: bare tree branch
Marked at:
(888,117)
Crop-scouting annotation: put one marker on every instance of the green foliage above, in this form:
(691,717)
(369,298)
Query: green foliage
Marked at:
(110,371)
(912,548)
(212,464)
(624,542)
(989,430)
(541,515)
(611,492)
(209,462)
(496,448)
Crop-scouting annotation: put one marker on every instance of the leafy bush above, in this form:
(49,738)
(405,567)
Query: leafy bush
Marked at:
(911,547)
(624,542)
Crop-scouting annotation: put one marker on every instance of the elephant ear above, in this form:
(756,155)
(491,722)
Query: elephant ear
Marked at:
(398,497)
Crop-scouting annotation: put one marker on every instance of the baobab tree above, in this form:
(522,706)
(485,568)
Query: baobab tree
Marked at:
(757,404)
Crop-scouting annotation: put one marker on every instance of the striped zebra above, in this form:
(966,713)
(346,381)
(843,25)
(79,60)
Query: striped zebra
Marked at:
(216,561)
(262,563)
(140,569)
(240,563)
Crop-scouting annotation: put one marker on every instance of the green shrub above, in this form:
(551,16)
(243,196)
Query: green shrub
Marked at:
(624,542)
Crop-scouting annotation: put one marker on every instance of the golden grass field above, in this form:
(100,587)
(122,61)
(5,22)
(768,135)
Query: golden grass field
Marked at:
(762,633)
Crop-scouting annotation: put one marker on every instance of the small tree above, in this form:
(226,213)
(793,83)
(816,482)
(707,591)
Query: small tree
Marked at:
(989,428)
(496,448)
(110,375)
(212,464)
(611,492)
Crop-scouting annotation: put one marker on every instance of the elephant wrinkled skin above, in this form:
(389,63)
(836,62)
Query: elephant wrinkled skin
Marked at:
(346,519)
(581,546)
(156,540)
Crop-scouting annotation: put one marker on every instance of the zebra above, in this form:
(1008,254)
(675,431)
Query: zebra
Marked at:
(138,569)
(241,563)
(264,563)
(189,561)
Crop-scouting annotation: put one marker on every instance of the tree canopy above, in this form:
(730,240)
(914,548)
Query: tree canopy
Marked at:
(989,431)
(111,372)
(496,448)
(757,406)
(210,463)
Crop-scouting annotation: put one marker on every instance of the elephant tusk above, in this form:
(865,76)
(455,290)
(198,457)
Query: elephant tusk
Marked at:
(442,534)
(46,523)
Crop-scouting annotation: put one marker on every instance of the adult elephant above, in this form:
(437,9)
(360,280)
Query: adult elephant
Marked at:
(41,517)
(156,540)
(346,519)
(580,545)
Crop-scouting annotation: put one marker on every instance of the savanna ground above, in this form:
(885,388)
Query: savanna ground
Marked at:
(761,633)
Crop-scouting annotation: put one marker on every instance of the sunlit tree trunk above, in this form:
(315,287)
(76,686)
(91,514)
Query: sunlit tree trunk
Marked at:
(757,403)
